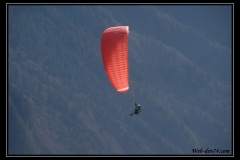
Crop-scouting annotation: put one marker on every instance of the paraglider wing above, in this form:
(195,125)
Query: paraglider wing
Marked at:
(114,48)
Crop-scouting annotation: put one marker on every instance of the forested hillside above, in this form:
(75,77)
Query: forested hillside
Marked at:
(60,101)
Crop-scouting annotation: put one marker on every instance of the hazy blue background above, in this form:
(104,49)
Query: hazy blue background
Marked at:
(60,101)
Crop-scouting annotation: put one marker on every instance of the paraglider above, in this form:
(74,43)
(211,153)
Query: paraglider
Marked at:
(137,109)
(114,49)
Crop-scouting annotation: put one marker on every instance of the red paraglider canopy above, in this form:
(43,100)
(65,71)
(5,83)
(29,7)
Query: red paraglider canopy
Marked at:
(114,48)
